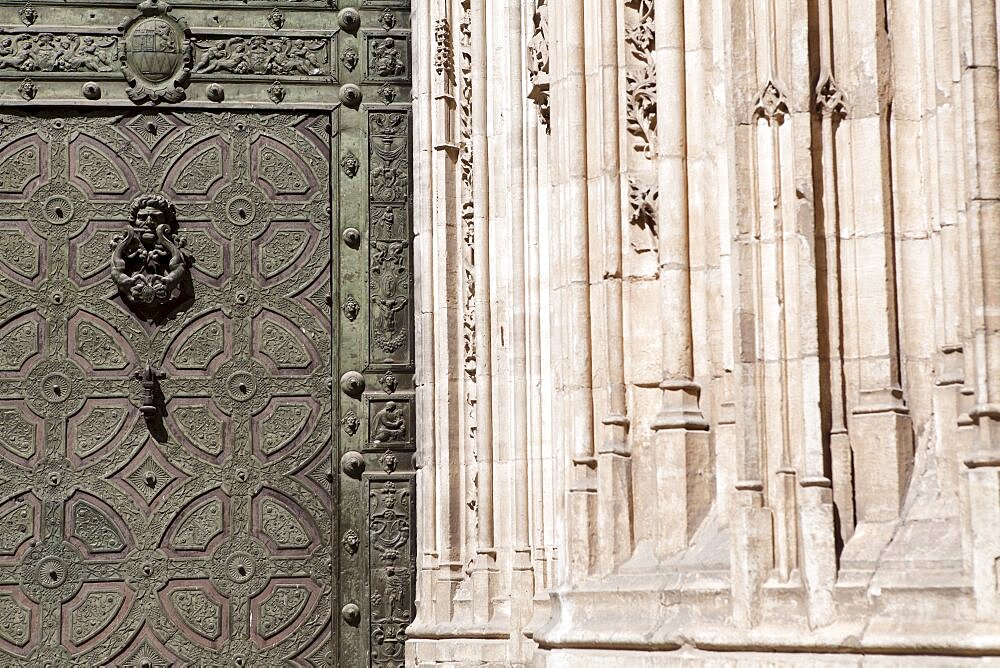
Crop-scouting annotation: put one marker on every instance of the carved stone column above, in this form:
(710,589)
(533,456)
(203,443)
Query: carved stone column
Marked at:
(685,479)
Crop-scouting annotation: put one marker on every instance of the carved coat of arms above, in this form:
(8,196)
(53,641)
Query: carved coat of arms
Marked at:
(156,54)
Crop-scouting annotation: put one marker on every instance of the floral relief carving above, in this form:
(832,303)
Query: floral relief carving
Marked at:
(444,58)
(95,530)
(282,426)
(16,526)
(200,527)
(200,173)
(15,621)
(640,79)
(17,435)
(95,430)
(389,260)
(280,609)
(94,614)
(281,526)
(98,348)
(19,169)
(280,173)
(282,347)
(262,56)
(18,253)
(200,612)
(643,206)
(46,52)
(99,173)
(17,345)
(282,251)
(468,230)
(201,428)
(389,166)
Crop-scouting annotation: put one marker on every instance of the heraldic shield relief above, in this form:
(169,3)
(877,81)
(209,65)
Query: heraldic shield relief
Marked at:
(206,340)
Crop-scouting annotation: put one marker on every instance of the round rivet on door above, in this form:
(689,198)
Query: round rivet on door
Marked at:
(215,92)
(91,91)
(352,383)
(352,237)
(352,464)
(349,19)
(350,95)
(351,614)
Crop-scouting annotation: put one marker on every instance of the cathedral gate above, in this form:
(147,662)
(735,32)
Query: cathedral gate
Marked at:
(206,351)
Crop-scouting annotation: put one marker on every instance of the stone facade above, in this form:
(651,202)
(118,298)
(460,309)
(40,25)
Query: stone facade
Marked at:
(708,332)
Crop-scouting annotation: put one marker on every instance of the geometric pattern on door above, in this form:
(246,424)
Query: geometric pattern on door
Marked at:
(201,535)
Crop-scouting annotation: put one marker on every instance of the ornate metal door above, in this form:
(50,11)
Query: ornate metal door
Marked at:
(206,411)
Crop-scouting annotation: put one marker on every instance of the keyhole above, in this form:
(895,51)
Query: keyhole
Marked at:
(54,575)
(146,663)
(151,479)
(59,212)
(151,127)
(242,213)
(57,390)
(242,570)
(242,387)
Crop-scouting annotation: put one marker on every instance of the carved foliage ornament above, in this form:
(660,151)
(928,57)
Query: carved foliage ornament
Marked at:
(443,55)
(640,81)
(538,63)
(148,261)
(262,55)
(156,54)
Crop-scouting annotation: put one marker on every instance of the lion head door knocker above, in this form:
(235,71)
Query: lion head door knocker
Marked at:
(156,54)
(148,260)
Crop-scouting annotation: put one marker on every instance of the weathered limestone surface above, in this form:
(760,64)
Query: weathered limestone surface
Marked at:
(709,332)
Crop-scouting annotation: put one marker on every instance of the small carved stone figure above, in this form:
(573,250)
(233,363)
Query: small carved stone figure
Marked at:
(386,60)
(148,262)
(390,424)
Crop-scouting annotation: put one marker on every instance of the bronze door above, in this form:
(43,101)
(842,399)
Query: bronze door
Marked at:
(205,339)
